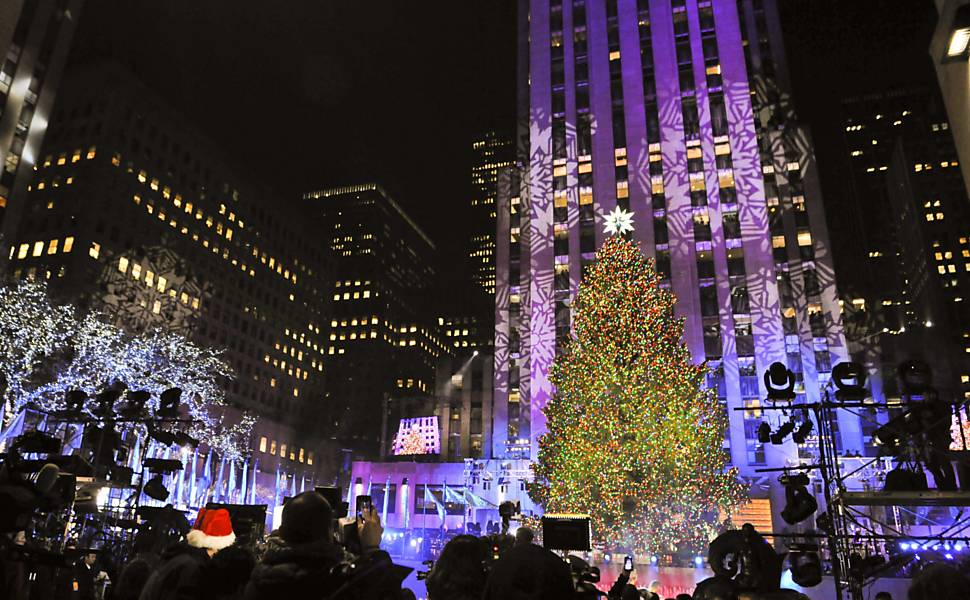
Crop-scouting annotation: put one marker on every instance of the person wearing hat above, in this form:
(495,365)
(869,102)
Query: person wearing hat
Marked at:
(182,565)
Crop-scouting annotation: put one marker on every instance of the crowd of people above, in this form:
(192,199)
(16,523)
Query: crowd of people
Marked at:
(308,557)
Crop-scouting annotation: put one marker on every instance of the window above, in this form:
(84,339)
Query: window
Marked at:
(262,444)
(272,447)
(68,243)
(282,450)
(95,250)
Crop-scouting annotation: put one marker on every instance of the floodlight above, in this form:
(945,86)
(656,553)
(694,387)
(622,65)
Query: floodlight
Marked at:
(778,437)
(801,434)
(168,404)
(780,382)
(155,489)
(799,503)
(958,46)
(136,403)
(806,568)
(850,381)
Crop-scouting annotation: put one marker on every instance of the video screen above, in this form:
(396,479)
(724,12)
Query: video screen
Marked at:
(417,436)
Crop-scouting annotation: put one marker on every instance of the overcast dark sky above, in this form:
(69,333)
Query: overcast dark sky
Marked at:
(313,93)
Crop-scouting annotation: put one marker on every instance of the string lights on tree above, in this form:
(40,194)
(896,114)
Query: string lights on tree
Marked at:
(634,438)
(46,350)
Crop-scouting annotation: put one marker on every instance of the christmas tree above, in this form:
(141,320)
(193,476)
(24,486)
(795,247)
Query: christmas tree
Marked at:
(634,438)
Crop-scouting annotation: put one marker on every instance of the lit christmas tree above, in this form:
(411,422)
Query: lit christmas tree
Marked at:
(634,439)
(409,442)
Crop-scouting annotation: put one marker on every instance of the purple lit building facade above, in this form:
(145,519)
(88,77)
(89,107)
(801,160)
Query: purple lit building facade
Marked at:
(677,111)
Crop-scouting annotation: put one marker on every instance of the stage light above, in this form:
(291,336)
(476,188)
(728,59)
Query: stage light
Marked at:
(915,377)
(168,404)
(764,432)
(185,440)
(958,547)
(806,568)
(699,561)
(135,405)
(948,556)
(161,436)
(850,381)
(803,431)
(74,402)
(606,558)
(959,43)
(800,504)
(780,382)
(37,442)
(155,489)
(778,437)
(105,402)
(653,559)
(903,546)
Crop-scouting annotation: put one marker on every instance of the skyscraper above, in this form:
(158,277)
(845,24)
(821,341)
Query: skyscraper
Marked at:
(384,338)
(900,249)
(134,213)
(35,37)
(677,111)
(491,153)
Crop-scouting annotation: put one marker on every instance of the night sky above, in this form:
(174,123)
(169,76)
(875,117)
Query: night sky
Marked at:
(317,93)
(314,93)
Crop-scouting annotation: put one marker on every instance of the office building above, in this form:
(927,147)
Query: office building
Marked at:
(35,38)
(491,153)
(679,112)
(384,341)
(467,332)
(900,238)
(949,50)
(134,213)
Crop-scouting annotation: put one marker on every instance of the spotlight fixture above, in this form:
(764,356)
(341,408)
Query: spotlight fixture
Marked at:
(801,434)
(168,404)
(135,406)
(163,465)
(161,436)
(778,437)
(780,382)
(105,402)
(915,377)
(74,402)
(806,566)
(155,489)
(799,503)
(850,381)
(37,442)
(186,440)
(764,432)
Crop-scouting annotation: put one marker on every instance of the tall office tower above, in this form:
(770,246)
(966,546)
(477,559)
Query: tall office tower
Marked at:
(35,37)
(131,211)
(677,111)
(900,237)
(949,51)
(491,153)
(384,341)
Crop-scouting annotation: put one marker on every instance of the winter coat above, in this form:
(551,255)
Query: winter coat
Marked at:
(529,573)
(289,572)
(178,576)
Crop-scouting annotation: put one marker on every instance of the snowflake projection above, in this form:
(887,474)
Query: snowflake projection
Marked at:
(148,288)
(618,222)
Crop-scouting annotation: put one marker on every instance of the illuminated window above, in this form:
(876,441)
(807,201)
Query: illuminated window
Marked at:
(149,278)
(68,243)
(157,307)
(51,247)
(272,447)
(804,238)
(309,458)
(778,241)
(92,152)
(162,282)
(262,443)
(136,271)
(283,450)
(95,250)
(38,248)
(123,264)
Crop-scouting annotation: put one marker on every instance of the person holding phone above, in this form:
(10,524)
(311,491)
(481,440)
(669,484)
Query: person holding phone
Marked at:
(624,588)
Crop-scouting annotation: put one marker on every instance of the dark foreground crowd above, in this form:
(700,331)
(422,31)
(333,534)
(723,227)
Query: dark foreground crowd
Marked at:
(302,559)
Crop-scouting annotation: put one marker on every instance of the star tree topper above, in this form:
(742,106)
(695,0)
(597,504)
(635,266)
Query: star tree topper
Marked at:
(618,222)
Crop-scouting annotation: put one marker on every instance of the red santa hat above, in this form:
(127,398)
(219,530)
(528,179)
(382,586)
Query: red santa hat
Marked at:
(212,529)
